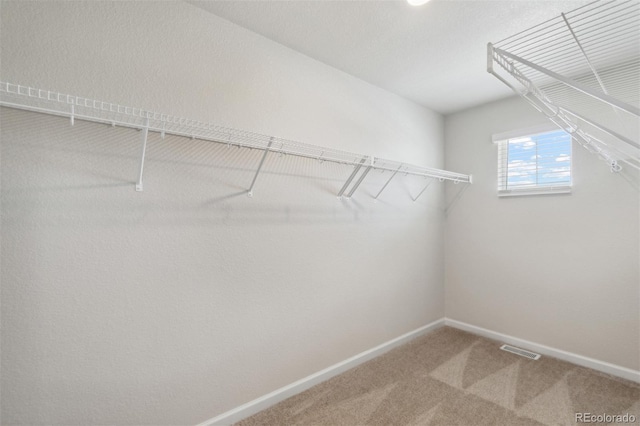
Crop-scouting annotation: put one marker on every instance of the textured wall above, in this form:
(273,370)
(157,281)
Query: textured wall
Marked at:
(557,270)
(176,304)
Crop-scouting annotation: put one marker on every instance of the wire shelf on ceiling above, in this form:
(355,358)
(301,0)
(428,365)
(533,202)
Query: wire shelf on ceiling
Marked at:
(582,70)
(79,108)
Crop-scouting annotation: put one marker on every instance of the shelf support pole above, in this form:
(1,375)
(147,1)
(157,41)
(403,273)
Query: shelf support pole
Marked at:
(255,177)
(353,174)
(584,53)
(455,199)
(385,185)
(423,189)
(144,137)
(360,179)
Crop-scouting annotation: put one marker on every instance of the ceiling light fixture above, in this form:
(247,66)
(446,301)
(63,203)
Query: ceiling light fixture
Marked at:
(417,2)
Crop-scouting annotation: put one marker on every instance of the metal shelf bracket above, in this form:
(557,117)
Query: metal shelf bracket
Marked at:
(353,175)
(144,136)
(388,181)
(255,177)
(423,189)
(361,178)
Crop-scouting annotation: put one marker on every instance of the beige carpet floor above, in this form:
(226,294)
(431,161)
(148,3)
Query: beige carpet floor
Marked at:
(450,377)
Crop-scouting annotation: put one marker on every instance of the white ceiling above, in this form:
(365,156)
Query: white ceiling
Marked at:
(434,54)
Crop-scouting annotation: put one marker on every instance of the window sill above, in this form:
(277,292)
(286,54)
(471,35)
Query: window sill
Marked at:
(535,191)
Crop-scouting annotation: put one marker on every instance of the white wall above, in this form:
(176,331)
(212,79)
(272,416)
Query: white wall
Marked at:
(561,270)
(176,304)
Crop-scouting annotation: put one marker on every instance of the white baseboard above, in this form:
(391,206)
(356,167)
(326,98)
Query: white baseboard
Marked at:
(605,367)
(266,401)
(259,404)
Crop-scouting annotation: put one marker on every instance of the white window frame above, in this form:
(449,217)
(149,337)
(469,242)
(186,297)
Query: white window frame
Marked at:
(502,138)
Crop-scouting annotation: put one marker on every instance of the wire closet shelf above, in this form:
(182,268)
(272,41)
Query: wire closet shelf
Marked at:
(582,70)
(79,108)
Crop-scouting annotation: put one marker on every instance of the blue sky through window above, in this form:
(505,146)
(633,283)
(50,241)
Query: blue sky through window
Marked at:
(540,160)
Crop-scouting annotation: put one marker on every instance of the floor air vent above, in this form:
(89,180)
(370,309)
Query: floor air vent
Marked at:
(520,352)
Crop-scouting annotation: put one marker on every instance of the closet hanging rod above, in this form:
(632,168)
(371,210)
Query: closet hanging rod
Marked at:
(79,108)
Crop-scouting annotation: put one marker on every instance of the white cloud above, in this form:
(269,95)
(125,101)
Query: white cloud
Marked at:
(520,140)
(558,175)
(524,143)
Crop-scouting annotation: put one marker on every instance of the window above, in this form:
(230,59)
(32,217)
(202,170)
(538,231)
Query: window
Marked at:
(534,163)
